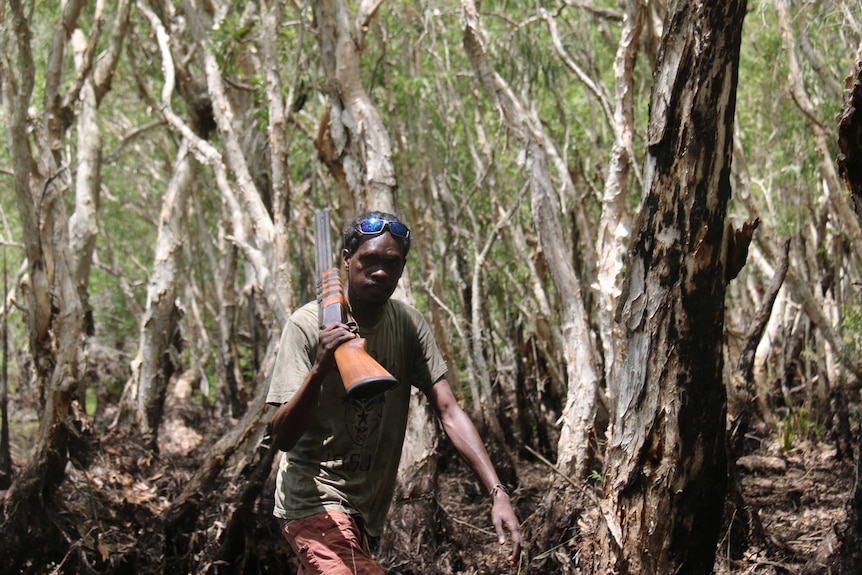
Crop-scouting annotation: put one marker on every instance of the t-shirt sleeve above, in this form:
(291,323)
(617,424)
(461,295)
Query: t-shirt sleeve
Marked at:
(429,364)
(295,355)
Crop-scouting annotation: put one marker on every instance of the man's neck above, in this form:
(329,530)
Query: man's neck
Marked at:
(364,315)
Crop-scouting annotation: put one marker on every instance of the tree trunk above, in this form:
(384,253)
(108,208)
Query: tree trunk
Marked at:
(741,387)
(614,224)
(358,151)
(83,224)
(5,452)
(158,354)
(54,307)
(850,136)
(850,169)
(666,470)
(278,143)
(576,449)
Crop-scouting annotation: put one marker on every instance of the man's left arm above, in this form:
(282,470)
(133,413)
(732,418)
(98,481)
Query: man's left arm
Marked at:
(463,435)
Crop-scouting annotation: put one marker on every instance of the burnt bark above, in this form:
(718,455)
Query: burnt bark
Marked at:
(850,137)
(666,468)
(577,448)
(850,169)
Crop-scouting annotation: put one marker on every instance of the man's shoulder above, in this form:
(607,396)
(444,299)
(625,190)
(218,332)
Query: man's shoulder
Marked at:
(308,309)
(305,316)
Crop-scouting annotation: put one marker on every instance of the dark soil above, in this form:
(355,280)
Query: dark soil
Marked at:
(800,496)
(109,509)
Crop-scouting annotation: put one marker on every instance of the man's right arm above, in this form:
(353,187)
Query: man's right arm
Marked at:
(292,418)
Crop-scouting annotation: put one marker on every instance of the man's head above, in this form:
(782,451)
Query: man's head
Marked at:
(375,251)
(370,224)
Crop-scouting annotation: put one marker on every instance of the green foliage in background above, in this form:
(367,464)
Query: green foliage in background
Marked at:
(458,168)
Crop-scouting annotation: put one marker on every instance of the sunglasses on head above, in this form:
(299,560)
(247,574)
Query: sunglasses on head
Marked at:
(374,226)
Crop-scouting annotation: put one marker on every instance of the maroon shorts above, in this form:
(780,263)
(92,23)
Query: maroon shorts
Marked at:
(331,543)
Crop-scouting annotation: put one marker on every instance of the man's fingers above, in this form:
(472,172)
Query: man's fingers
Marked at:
(516,552)
(498,527)
(516,545)
(511,524)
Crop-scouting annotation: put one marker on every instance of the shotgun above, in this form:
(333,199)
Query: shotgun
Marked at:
(362,375)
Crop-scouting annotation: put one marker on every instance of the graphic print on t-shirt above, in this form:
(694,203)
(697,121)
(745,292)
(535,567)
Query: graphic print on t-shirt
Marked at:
(362,417)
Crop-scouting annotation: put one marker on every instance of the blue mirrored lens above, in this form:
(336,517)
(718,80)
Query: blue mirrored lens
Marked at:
(398,229)
(372,226)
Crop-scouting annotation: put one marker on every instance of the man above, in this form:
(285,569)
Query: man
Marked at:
(337,477)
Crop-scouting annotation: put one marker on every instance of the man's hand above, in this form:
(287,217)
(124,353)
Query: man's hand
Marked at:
(291,420)
(503,516)
(331,337)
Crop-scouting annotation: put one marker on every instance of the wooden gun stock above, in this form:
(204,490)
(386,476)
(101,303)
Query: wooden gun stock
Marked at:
(361,374)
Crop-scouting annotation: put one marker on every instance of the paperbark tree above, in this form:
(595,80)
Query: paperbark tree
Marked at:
(614,224)
(250,224)
(666,471)
(94,79)
(575,451)
(157,360)
(353,141)
(159,347)
(850,169)
(54,306)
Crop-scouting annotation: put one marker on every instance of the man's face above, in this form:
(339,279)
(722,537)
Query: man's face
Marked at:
(374,269)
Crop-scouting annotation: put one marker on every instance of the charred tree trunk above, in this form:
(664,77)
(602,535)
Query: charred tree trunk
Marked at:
(5,453)
(850,169)
(236,550)
(850,138)
(666,467)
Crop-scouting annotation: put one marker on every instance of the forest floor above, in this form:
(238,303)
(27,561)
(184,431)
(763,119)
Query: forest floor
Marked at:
(800,496)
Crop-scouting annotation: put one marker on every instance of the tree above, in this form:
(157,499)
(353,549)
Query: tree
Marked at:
(190,142)
(849,162)
(579,354)
(56,312)
(665,472)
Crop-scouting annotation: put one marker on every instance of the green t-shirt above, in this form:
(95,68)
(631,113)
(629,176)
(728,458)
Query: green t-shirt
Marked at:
(348,458)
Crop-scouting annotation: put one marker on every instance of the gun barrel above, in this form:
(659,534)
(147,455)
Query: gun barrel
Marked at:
(322,241)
